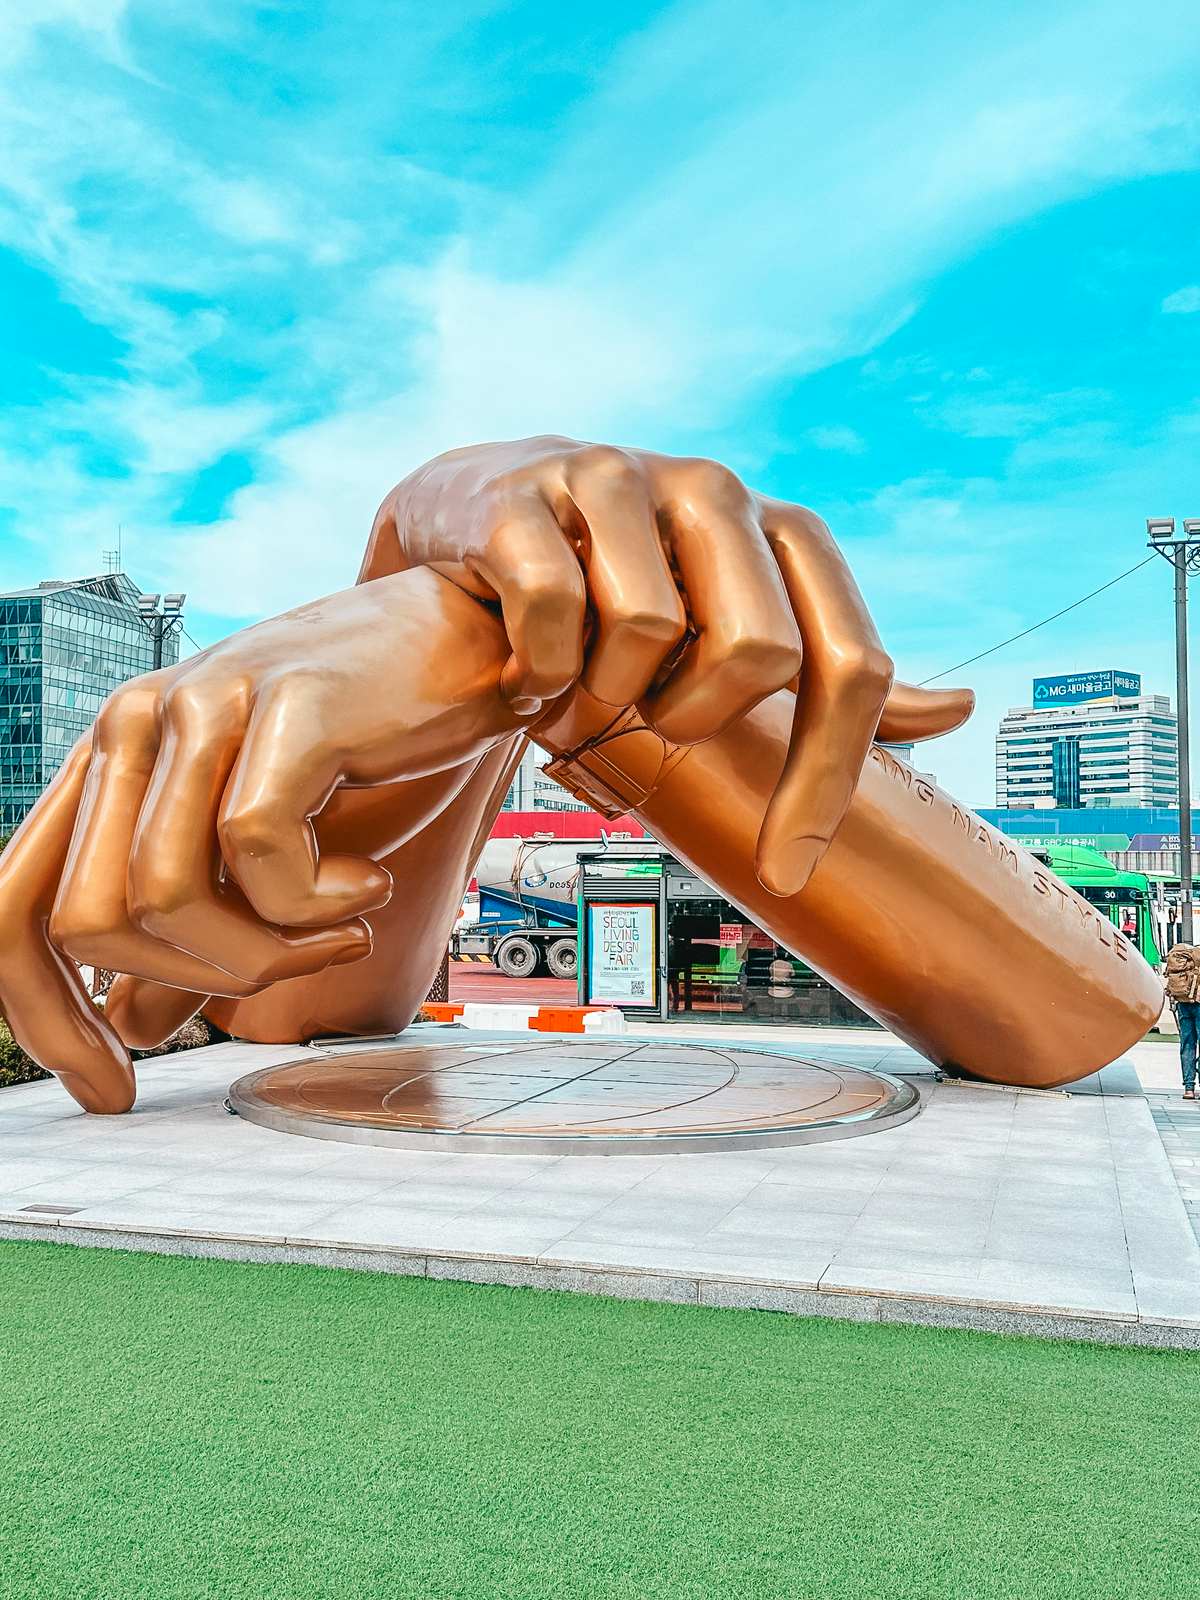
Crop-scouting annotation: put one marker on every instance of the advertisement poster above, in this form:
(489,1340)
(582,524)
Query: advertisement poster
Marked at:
(623,954)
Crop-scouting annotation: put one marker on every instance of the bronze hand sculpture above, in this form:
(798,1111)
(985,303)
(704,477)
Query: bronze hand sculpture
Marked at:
(696,598)
(311,794)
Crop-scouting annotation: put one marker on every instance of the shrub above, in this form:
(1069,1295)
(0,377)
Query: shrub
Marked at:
(15,1065)
(192,1036)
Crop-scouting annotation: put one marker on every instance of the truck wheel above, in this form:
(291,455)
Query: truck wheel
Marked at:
(517,958)
(562,958)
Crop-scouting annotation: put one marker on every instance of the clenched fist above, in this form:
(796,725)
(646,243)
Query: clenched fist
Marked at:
(668,584)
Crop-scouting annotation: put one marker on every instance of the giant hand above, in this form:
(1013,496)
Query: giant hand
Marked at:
(222,810)
(696,597)
(177,846)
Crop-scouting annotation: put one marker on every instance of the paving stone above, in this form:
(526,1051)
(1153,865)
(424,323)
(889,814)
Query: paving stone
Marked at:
(851,1261)
(1051,1177)
(735,1262)
(1076,1290)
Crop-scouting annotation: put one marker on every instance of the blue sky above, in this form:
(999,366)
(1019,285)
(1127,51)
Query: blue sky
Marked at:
(932,270)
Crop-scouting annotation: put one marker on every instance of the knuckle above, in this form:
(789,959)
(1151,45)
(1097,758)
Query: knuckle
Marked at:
(811,522)
(712,481)
(603,461)
(508,484)
(247,830)
(643,625)
(183,702)
(863,663)
(785,520)
(550,586)
(195,707)
(762,657)
(71,926)
(157,898)
(129,711)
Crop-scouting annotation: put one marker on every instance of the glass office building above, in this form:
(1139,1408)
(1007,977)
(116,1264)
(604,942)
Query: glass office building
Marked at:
(64,647)
(532,790)
(1088,739)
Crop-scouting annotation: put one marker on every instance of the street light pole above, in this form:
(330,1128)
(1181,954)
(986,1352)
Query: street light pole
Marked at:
(161,618)
(1185,765)
(1184,556)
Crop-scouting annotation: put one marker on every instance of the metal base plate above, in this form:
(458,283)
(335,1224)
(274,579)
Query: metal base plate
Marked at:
(556,1097)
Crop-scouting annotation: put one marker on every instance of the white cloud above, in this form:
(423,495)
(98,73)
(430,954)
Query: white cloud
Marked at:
(1012,411)
(837,437)
(650,284)
(1183,301)
(493,360)
(951,568)
(21,23)
(246,210)
(789,236)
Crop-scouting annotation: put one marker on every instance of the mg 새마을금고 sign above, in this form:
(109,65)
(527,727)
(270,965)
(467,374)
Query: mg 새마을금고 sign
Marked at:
(1074,687)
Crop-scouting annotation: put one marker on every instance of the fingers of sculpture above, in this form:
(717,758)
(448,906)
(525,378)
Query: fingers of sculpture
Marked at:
(746,643)
(177,891)
(146,1014)
(843,687)
(620,519)
(912,713)
(265,827)
(673,552)
(91,920)
(44,998)
(520,554)
(639,614)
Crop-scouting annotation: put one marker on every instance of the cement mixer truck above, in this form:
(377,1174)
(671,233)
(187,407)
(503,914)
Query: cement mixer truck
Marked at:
(527,918)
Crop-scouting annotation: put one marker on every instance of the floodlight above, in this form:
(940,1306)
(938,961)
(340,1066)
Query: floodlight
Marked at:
(1160,527)
(148,604)
(173,604)
(1191,527)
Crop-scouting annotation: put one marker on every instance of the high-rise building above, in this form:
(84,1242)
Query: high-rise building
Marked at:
(532,790)
(1088,739)
(64,647)
(551,796)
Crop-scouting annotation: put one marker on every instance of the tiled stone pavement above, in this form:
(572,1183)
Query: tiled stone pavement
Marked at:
(1178,1124)
(1019,1211)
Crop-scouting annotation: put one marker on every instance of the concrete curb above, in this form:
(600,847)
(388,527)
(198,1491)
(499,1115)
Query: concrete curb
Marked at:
(628,1283)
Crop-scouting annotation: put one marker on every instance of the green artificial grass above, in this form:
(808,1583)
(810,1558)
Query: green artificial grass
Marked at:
(177,1428)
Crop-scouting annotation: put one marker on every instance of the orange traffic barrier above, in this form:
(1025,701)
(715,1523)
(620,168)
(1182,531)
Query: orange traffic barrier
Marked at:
(545,1019)
(561,1019)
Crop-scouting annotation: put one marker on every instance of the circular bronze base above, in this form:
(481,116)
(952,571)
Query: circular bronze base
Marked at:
(556,1097)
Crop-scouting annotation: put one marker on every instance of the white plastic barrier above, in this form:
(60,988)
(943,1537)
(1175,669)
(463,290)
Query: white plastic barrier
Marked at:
(485,1014)
(609,1020)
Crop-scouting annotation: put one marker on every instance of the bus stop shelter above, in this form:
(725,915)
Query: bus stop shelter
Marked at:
(657,941)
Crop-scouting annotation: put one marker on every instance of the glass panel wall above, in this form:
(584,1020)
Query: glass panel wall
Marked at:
(61,655)
(20,709)
(723,968)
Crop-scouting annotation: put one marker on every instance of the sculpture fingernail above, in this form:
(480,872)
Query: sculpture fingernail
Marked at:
(353,948)
(525,705)
(785,869)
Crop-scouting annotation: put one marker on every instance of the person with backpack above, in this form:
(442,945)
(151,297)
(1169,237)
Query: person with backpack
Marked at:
(1182,975)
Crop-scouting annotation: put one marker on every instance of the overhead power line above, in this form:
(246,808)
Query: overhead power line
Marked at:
(991,651)
(1025,632)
